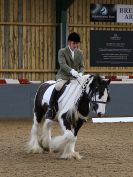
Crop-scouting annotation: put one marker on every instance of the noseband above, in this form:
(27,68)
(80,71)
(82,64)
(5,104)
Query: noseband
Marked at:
(95,101)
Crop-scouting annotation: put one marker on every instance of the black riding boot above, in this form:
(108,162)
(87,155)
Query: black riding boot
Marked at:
(51,112)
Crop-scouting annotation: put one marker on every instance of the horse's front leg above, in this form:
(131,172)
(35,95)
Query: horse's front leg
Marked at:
(69,149)
(77,126)
(58,143)
(45,140)
(55,143)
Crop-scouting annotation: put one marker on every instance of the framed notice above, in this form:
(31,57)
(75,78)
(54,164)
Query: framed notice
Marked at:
(111,48)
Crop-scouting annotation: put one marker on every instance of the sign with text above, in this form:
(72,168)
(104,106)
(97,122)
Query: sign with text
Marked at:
(124,13)
(111,48)
(103,12)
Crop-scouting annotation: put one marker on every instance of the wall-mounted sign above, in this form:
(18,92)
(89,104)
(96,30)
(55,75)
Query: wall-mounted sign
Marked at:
(111,48)
(124,13)
(103,12)
(111,13)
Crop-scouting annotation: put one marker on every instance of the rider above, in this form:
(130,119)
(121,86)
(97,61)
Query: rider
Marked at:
(71,65)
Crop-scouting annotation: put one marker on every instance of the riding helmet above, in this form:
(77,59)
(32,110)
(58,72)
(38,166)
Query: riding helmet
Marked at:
(74,37)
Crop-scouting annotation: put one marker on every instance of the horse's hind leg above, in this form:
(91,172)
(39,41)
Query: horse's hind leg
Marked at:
(56,143)
(33,144)
(46,135)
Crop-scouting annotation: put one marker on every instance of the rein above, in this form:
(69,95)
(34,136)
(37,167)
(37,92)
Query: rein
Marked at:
(95,101)
(83,88)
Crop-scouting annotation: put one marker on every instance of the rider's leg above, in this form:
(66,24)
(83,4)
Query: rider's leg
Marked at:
(50,114)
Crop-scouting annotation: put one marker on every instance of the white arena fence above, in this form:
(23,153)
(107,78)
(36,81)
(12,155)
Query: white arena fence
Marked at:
(112,119)
(17,81)
(114,79)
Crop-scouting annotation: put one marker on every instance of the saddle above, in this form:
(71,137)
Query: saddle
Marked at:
(63,89)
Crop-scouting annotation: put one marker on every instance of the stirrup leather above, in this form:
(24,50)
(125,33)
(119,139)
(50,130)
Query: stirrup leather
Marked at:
(50,114)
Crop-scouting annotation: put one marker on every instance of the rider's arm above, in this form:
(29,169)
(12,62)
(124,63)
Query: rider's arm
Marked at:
(81,66)
(62,62)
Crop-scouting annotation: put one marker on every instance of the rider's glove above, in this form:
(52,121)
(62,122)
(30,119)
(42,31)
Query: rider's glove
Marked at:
(74,73)
(80,74)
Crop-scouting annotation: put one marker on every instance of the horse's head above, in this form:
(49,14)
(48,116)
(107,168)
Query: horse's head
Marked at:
(99,94)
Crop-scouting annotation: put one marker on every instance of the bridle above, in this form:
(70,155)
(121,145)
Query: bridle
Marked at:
(94,102)
(92,94)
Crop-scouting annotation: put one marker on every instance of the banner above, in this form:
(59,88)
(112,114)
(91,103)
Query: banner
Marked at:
(103,12)
(111,13)
(125,13)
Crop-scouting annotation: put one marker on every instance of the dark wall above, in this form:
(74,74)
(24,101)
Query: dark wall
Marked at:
(16,101)
(121,100)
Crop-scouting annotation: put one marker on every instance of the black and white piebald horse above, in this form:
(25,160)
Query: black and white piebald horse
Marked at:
(73,107)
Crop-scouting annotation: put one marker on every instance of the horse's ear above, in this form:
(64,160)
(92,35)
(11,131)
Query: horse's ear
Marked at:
(97,79)
(96,76)
(108,81)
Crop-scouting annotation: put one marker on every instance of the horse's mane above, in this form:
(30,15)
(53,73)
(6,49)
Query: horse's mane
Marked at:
(74,89)
(72,94)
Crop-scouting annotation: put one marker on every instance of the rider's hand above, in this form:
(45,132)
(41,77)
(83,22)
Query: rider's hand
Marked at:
(80,74)
(74,73)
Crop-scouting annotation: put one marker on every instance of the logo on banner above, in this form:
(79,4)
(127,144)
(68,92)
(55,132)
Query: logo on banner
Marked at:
(104,11)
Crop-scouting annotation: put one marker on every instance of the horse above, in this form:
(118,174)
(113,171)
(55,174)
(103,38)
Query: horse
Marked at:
(80,96)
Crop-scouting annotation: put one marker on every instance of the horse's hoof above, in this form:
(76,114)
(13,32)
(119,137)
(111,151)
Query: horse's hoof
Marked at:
(77,156)
(74,155)
(63,158)
(34,150)
(37,151)
(66,156)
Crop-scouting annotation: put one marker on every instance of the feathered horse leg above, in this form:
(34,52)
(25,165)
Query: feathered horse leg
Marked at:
(46,135)
(33,144)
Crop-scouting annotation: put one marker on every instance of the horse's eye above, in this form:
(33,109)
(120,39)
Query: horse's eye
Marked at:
(99,96)
(96,90)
